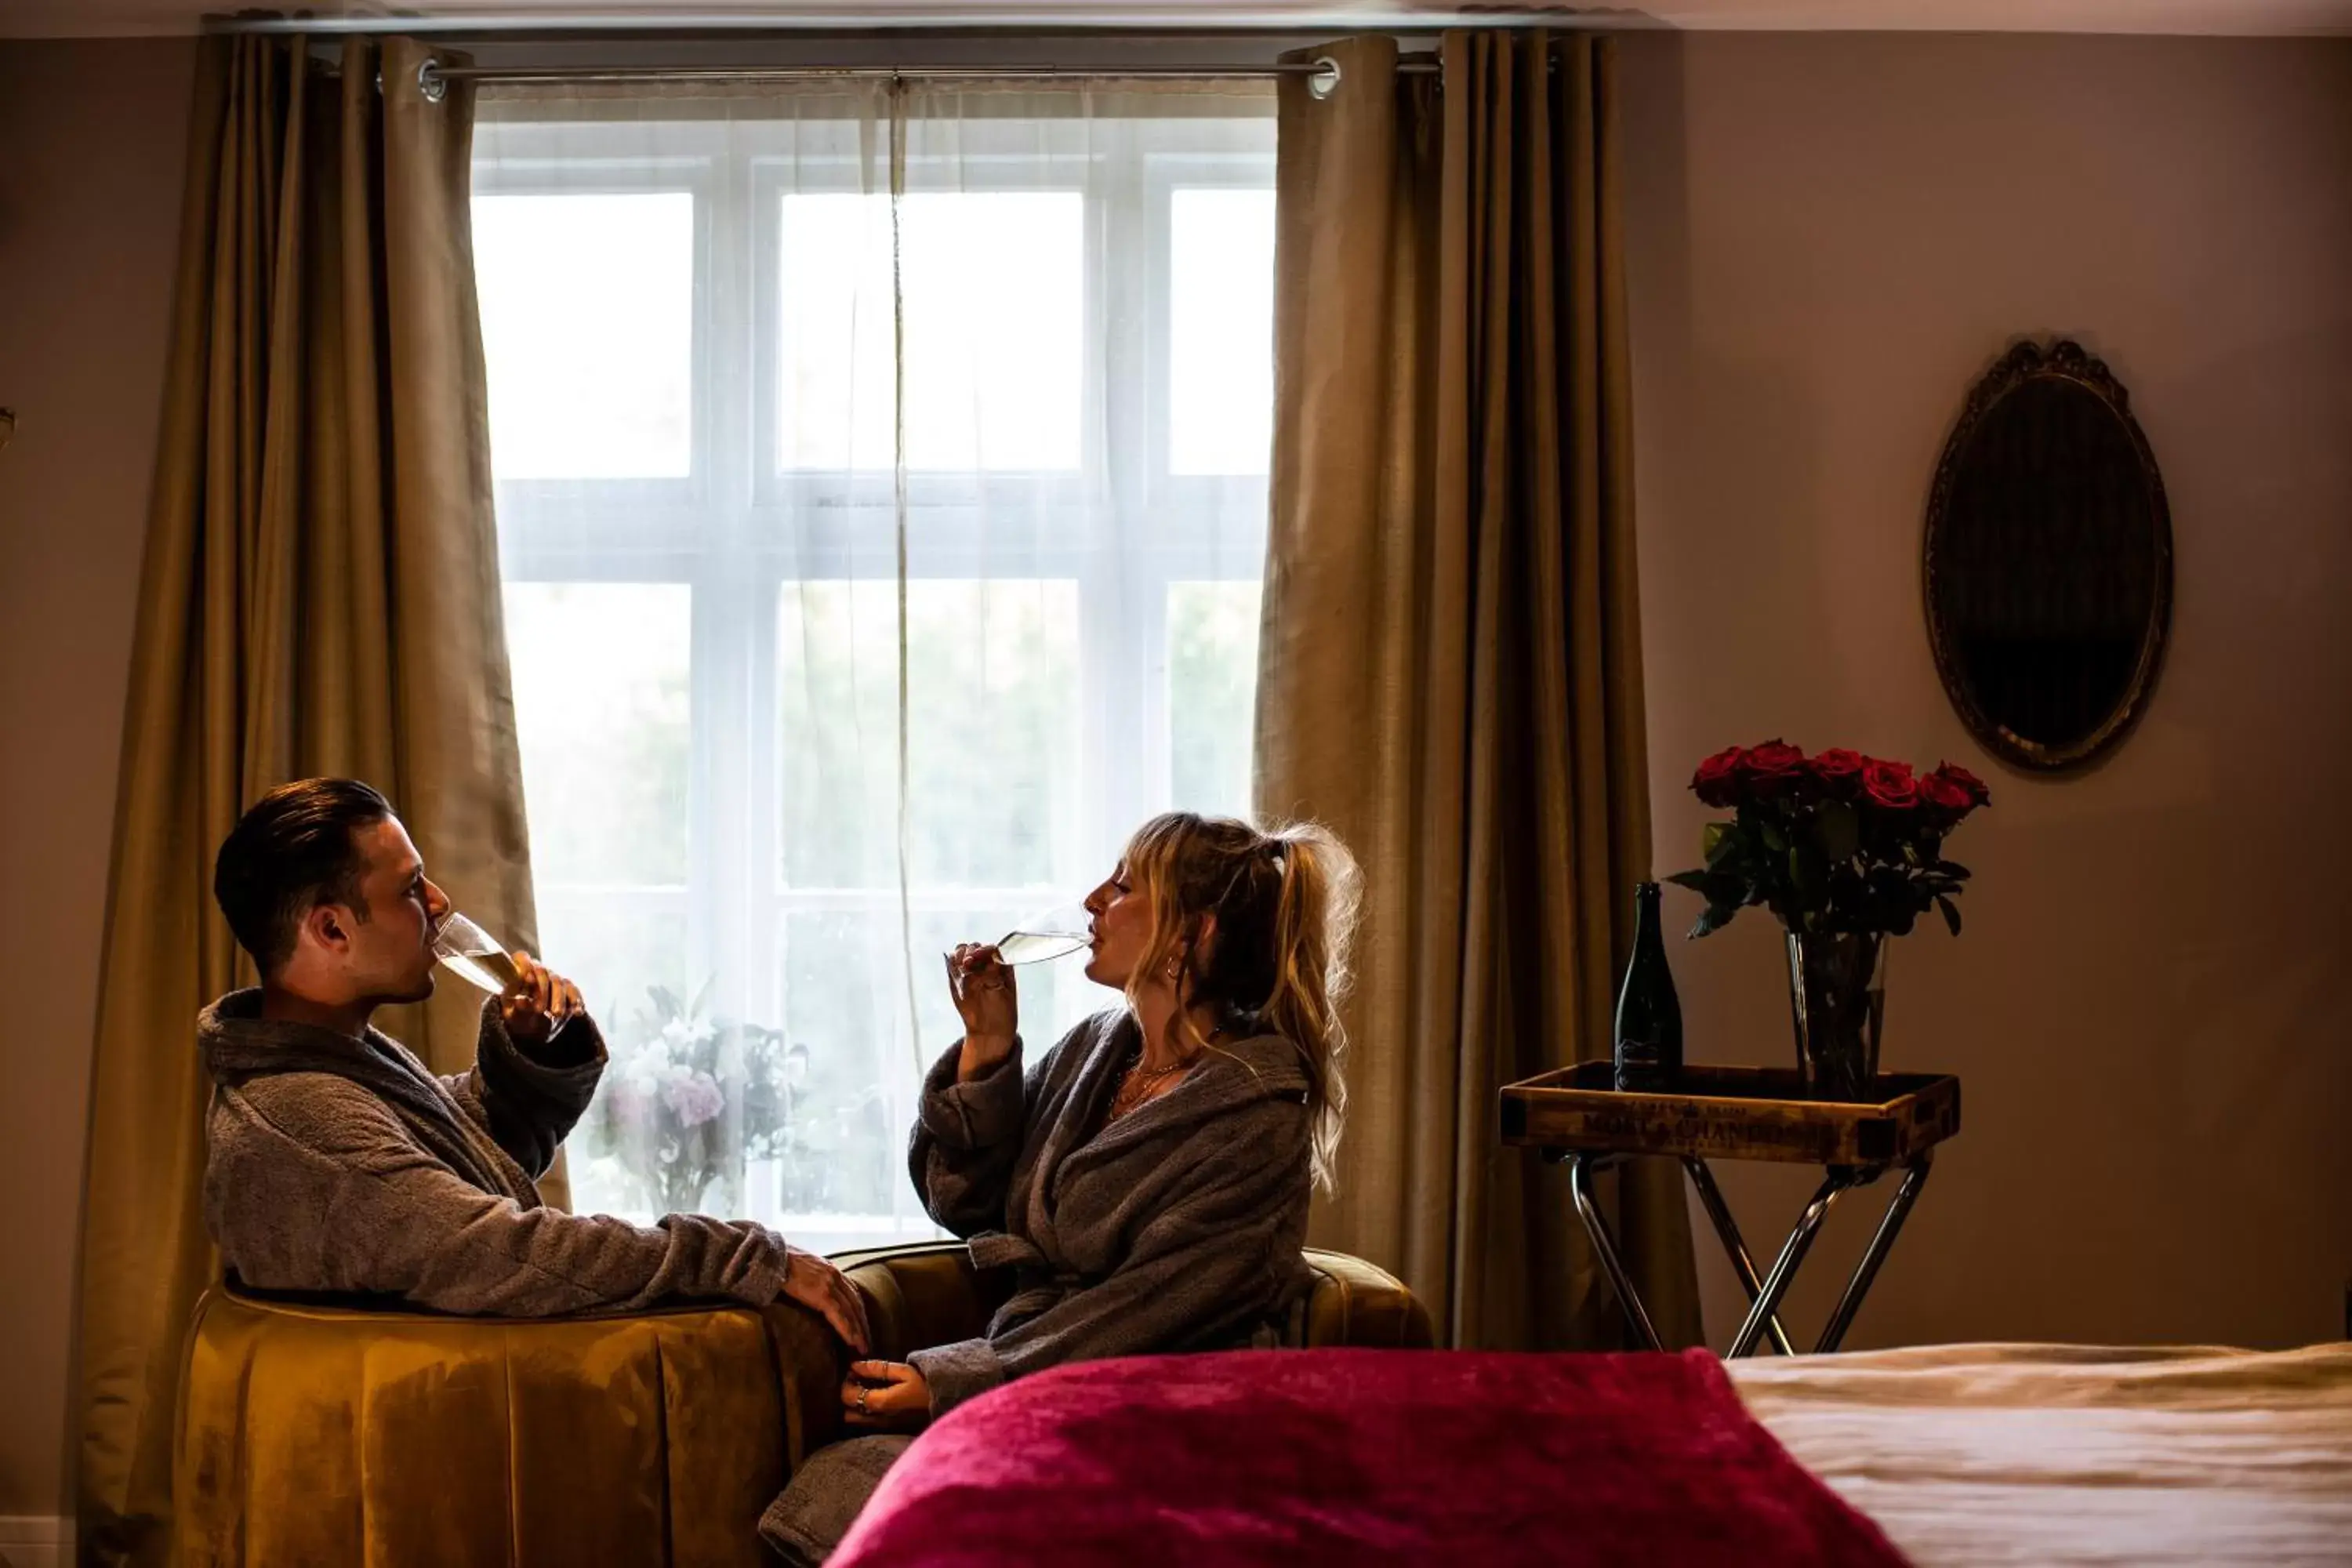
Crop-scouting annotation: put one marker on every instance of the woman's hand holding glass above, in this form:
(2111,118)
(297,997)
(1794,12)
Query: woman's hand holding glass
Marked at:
(985,997)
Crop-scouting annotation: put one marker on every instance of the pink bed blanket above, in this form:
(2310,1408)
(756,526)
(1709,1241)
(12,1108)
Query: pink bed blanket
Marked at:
(1359,1456)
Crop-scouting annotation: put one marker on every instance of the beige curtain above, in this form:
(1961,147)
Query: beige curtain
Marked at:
(1451,668)
(321,596)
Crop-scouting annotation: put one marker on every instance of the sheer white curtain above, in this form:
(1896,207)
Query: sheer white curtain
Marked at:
(881,498)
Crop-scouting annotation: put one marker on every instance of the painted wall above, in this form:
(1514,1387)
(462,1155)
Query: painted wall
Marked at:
(1830,237)
(92,143)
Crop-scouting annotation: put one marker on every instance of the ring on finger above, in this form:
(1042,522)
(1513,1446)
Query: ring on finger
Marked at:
(861,1400)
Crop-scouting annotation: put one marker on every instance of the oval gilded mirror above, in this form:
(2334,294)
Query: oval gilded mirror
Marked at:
(2048,561)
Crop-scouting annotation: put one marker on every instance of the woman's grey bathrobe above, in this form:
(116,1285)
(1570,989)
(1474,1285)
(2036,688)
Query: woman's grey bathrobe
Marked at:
(1176,1228)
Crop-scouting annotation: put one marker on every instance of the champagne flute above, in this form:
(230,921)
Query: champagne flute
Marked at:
(1047,935)
(474,955)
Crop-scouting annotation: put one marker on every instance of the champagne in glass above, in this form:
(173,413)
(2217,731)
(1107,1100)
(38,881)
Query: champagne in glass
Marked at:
(1047,935)
(473,956)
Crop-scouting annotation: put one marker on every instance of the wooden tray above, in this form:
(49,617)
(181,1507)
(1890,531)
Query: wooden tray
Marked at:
(1732,1113)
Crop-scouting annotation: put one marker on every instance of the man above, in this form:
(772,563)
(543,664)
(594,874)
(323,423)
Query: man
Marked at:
(338,1162)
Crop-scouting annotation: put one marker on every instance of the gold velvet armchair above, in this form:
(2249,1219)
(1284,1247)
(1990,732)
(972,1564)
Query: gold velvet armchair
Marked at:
(321,1434)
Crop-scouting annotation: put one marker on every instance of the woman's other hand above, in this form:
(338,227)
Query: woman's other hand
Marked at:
(885,1396)
(985,997)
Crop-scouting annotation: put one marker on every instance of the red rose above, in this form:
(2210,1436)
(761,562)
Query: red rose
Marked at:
(1975,786)
(1951,792)
(1769,769)
(1889,785)
(1946,796)
(1838,772)
(1716,782)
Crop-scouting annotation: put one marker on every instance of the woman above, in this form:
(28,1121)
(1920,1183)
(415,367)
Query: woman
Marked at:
(1148,1178)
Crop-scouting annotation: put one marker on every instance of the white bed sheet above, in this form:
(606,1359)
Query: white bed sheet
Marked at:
(2055,1454)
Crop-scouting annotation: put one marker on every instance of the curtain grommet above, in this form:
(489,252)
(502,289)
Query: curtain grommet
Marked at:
(431,85)
(1326,79)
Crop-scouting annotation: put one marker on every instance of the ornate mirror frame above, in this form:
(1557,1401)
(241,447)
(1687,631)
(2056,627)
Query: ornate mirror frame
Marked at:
(2026,363)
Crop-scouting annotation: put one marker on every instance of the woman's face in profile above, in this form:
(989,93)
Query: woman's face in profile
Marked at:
(1120,926)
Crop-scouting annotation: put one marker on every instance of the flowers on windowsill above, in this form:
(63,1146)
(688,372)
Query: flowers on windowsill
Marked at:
(1836,842)
(689,1098)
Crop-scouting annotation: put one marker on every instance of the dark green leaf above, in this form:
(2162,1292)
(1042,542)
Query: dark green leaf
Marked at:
(1720,838)
(1951,914)
(1808,876)
(1774,839)
(1695,881)
(1838,830)
(1714,917)
(1954,869)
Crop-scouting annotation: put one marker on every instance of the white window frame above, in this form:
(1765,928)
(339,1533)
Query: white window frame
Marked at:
(735,529)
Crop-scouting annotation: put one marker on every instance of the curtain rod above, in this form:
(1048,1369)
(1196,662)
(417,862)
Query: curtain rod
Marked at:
(1323,74)
(1168,19)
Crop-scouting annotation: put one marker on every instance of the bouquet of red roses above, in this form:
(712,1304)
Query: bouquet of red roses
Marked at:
(1833,842)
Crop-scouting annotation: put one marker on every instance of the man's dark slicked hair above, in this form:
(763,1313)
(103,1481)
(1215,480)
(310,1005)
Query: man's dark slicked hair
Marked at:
(292,852)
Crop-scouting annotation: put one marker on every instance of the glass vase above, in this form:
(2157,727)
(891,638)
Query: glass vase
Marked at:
(1837,1000)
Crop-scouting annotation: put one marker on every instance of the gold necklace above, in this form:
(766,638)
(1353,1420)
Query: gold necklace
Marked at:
(1136,1084)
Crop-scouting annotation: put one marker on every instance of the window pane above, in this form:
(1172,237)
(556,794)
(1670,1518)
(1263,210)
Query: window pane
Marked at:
(624,951)
(1212,694)
(602,689)
(587,310)
(993,284)
(842,983)
(991,723)
(1220,332)
(617,947)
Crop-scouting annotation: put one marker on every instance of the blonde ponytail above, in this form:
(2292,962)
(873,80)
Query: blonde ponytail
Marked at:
(1314,925)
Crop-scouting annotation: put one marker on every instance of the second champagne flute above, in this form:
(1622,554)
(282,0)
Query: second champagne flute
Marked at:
(1047,935)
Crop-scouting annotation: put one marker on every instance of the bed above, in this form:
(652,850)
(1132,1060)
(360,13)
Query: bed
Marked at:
(1969,1456)
(1943,1457)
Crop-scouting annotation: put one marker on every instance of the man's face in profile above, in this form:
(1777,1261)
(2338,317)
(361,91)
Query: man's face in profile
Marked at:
(388,956)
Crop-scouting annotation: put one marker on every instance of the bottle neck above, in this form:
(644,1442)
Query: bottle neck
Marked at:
(1645,916)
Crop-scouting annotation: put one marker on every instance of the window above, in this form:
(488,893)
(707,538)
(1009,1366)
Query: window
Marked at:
(872,568)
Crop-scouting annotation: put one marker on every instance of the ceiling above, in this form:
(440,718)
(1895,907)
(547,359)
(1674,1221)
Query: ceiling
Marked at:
(99,19)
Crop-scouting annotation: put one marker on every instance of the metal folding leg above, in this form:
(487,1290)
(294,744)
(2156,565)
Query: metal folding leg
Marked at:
(1726,1230)
(1579,1186)
(1764,1296)
(1882,1243)
(1784,1267)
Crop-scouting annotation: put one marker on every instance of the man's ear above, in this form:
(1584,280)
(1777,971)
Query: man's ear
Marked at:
(329,926)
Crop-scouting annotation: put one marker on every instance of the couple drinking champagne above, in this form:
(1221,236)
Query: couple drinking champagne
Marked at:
(1147,1177)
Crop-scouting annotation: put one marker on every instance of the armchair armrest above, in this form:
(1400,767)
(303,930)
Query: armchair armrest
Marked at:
(1357,1304)
(928,1293)
(924,1294)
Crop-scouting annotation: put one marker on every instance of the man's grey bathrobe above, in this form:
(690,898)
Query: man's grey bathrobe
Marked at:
(342,1165)
(1176,1228)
